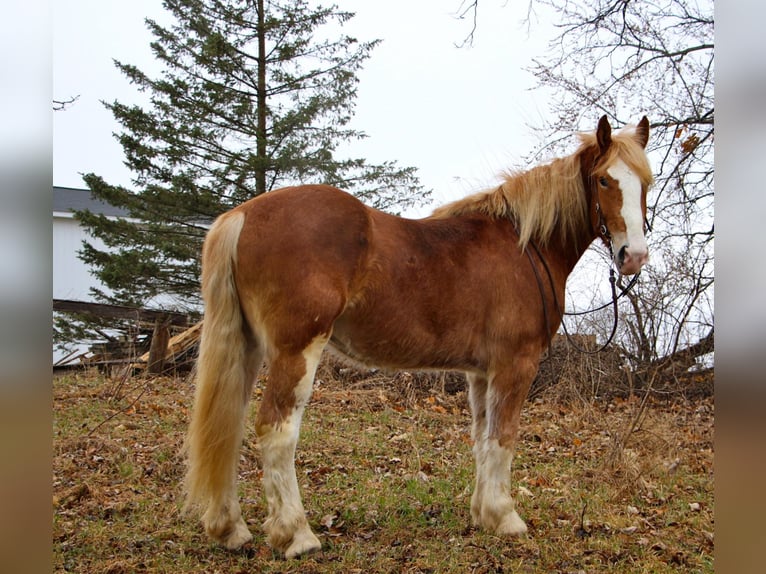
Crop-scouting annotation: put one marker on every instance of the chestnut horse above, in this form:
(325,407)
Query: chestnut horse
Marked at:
(291,271)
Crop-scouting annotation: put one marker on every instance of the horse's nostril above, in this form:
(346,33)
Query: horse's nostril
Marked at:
(621,254)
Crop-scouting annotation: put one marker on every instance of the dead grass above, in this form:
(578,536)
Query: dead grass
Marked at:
(386,472)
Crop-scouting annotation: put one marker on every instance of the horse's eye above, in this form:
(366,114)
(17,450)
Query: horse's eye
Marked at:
(603,181)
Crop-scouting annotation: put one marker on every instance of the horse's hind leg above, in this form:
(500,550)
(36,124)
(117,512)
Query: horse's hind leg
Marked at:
(291,377)
(225,376)
(223,519)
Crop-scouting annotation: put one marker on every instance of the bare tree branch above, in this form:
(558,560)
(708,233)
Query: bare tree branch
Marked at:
(626,58)
(61,105)
(468,9)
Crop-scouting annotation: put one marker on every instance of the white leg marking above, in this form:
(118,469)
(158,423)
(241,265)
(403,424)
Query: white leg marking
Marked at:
(493,508)
(477,397)
(224,522)
(286,523)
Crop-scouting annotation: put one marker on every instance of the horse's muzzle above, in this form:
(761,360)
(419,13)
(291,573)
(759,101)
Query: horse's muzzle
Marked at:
(630,261)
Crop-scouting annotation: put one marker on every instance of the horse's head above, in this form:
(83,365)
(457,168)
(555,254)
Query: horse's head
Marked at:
(618,183)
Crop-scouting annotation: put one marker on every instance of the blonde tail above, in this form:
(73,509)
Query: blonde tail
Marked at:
(227,364)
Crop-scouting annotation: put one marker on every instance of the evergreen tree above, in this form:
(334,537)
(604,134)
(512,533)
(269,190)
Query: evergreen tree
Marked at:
(255,95)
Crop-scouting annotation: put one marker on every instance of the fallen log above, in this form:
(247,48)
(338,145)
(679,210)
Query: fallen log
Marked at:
(177,345)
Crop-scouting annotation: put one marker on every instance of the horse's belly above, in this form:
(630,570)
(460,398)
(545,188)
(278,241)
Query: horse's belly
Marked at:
(400,343)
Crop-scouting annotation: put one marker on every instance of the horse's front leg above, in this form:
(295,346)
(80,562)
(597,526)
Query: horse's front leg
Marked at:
(495,432)
(477,399)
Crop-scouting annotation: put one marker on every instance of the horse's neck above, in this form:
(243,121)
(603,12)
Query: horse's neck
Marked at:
(563,254)
(571,254)
(562,258)
(567,243)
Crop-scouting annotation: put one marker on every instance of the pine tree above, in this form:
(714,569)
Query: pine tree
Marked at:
(254,95)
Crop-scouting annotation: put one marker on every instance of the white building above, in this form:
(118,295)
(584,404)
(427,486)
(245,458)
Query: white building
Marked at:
(72,279)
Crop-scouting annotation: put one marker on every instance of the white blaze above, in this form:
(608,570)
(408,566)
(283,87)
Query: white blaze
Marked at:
(631,211)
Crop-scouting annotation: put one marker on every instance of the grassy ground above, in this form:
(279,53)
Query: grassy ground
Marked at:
(386,476)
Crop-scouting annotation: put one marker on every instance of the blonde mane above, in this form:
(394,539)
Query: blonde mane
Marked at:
(551,197)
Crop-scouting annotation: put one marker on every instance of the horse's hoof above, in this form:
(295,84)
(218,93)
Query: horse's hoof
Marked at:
(238,537)
(304,542)
(512,525)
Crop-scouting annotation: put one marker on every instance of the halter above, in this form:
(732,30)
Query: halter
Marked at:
(602,228)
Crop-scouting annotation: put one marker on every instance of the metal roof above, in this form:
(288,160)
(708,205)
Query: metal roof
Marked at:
(68,199)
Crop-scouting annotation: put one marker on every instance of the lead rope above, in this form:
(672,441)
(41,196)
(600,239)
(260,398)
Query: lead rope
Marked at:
(624,291)
(612,283)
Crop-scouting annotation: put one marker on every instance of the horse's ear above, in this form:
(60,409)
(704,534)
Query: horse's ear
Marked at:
(604,134)
(642,131)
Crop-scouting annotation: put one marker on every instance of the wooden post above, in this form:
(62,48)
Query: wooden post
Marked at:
(158,348)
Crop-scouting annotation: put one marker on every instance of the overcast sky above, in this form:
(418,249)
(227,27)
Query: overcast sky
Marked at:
(460,115)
